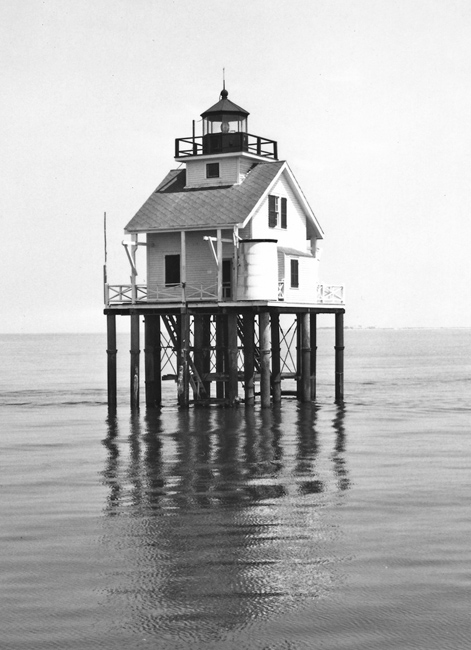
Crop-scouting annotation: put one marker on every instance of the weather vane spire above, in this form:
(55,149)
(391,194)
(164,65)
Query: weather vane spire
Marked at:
(224,92)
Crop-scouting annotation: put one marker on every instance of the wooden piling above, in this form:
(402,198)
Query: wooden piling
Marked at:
(249,359)
(264,336)
(135,352)
(305,358)
(111,352)
(275,356)
(232,358)
(313,329)
(339,356)
(299,358)
(206,347)
(183,379)
(220,354)
(198,352)
(152,351)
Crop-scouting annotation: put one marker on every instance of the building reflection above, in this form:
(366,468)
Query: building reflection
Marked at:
(224,512)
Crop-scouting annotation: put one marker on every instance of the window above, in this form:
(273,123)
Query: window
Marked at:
(172,270)
(294,274)
(212,170)
(275,218)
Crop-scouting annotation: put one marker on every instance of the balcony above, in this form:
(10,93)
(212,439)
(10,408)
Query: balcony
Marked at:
(221,143)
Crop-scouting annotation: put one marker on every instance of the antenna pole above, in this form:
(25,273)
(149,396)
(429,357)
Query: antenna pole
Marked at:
(106,253)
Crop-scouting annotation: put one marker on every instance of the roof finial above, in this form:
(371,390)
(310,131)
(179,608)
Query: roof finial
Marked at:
(224,92)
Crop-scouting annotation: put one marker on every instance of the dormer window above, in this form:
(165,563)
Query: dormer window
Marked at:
(212,170)
(277,212)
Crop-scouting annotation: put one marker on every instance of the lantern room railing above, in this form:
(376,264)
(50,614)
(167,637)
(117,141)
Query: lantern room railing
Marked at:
(215,143)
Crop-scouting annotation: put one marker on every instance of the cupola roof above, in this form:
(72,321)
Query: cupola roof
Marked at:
(224,105)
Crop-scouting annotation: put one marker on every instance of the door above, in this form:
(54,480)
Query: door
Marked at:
(226,279)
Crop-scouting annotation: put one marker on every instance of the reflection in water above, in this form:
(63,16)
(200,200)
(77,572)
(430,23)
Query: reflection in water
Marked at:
(338,456)
(226,515)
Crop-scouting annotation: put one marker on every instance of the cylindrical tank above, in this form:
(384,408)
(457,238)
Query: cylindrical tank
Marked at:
(258,270)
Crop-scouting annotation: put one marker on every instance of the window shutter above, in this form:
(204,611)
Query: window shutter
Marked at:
(294,274)
(272,211)
(284,215)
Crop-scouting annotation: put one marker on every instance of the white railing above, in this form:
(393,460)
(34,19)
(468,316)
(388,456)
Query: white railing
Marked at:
(123,293)
(200,292)
(281,289)
(330,293)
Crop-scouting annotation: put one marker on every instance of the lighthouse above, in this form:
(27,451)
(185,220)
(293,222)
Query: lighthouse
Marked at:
(231,245)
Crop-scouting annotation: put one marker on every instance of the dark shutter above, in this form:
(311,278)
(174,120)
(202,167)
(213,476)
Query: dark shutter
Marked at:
(294,274)
(284,215)
(272,211)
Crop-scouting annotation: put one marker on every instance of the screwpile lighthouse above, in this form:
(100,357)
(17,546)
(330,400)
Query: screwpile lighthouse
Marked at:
(231,245)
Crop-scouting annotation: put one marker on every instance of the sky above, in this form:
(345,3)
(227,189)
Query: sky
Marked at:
(369,100)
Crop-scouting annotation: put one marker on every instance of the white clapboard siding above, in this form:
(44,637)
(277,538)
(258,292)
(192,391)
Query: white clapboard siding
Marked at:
(294,236)
(201,268)
(228,172)
(308,279)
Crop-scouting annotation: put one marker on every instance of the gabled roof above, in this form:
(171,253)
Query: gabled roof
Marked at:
(172,207)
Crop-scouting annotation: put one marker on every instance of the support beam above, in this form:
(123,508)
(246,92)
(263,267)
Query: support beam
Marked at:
(232,353)
(183,264)
(299,359)
(305,358)
(313,328)
(111,352)
(264,327)
(134,238)
(153,375)
(220,344)
(135,352)
(201,344)
(275,356)
(207,352)
(183,380)
(339,356)
(198,346)
(219,256)
(249,359)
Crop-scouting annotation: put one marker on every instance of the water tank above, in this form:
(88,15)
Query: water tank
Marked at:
(258,270)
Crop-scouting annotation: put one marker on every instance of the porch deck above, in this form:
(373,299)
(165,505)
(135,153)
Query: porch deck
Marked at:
(116,295)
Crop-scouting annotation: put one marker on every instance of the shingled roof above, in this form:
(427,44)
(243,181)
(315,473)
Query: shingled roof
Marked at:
(172,207)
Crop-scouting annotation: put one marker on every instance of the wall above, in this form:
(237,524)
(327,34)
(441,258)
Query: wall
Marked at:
(232,170)
(308,280)
(201,269)
(294,236)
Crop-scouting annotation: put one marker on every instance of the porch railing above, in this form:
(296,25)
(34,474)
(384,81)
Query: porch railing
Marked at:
(330,293)
(123,293)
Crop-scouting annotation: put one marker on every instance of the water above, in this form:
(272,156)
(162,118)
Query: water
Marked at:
(307,526)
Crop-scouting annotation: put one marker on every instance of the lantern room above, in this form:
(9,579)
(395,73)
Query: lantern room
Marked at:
(224,127)
(225,131)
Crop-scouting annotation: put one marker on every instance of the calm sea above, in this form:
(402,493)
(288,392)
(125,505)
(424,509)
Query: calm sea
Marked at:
(300,527)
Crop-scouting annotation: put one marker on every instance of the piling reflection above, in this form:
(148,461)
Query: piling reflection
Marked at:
(111,470)
(338,455)
(228,514)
